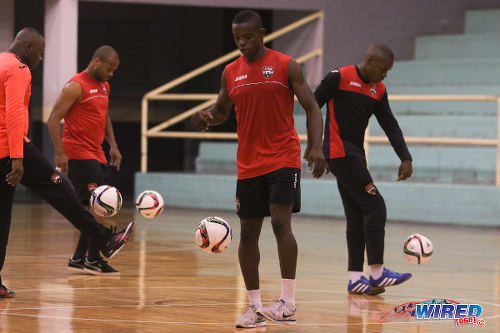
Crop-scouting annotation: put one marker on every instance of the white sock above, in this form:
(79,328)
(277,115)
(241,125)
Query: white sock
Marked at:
(288,292)
(376,271)
(355,276)
(254,297)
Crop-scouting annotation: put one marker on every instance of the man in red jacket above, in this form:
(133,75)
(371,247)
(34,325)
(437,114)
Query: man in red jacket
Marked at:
(21,162)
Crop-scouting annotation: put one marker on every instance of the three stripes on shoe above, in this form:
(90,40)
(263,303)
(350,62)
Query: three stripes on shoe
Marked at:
(387,282)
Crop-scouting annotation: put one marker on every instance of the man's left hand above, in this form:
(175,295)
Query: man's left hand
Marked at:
(315,160)
(405,170)
(116,158)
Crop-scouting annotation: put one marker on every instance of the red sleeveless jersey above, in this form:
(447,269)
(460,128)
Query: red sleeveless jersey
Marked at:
(264,103)
(85,123)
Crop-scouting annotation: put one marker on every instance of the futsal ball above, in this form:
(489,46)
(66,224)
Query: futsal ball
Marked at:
(417,249)
(213,234)
(106,201)
(149,204)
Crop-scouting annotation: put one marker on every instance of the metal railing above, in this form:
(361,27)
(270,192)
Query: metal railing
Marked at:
(443,140)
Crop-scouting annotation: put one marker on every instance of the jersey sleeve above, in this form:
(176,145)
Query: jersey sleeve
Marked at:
(329,85)
(391,128)
(16,84)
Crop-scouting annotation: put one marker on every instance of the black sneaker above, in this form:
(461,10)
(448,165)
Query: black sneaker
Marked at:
(118,240)
(6,293)
(76,265)
(99,267)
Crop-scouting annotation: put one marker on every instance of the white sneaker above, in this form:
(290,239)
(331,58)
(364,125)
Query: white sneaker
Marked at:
(250,318)
(279,312)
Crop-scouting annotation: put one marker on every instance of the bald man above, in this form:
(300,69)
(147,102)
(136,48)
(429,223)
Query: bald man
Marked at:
(353,94)
(83,104)
(21,162)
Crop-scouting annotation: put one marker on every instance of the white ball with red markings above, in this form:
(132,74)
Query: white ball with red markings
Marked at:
(417,249)
(105,201)
(213,234)
(149,204)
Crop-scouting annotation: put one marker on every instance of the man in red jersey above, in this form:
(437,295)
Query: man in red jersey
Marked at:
(83,103)
(261,84)
(21,162)
(353,94)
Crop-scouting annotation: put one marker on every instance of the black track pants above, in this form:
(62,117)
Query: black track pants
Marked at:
(364,210)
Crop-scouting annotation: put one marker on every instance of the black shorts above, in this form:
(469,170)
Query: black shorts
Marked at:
(86,176)
(254,195)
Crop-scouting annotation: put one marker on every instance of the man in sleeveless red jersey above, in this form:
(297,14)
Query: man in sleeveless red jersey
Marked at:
(83,103)
(21,162)
(353,94)
(261,84)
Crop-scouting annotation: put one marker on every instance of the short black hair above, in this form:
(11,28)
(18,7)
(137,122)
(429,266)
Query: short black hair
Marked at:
(105,52)
(247,15)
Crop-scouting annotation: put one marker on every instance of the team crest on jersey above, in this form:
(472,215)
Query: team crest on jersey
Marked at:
(371,189)
(91,187)
(373,90)
(104,89)
(268,71)
(56,179)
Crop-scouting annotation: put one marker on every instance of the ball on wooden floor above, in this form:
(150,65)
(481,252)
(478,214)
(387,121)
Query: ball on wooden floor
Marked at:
(417,249)
(213,234)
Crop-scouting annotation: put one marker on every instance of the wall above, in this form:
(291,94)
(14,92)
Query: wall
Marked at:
(350,26)
(458,204)
(6,23)
(265,4)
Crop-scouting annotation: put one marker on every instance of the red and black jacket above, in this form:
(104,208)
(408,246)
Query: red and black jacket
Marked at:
(351,102)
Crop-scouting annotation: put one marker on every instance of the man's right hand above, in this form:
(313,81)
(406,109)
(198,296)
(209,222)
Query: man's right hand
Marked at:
(62,162)
(17,171)
(200,120)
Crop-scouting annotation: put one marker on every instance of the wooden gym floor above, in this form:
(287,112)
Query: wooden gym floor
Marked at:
(167,284)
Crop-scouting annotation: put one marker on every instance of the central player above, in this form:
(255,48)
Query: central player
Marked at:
(261,84)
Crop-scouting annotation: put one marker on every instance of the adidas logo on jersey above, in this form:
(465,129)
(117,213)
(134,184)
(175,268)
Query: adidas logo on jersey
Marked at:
(354,83)
(241,77)
(93,91)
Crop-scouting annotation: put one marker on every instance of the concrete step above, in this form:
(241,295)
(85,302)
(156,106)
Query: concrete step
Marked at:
(445,164)
(450,72)
(455,126)
(484,20)
(468,46)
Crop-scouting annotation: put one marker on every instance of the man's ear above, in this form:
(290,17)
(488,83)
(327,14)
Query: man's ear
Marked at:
(96,61)
(28,48)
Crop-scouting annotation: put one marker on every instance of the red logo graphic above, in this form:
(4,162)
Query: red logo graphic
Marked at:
(56,179)
(91,187)
(268,71)
(469,320)
(371,189)
(237,204)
